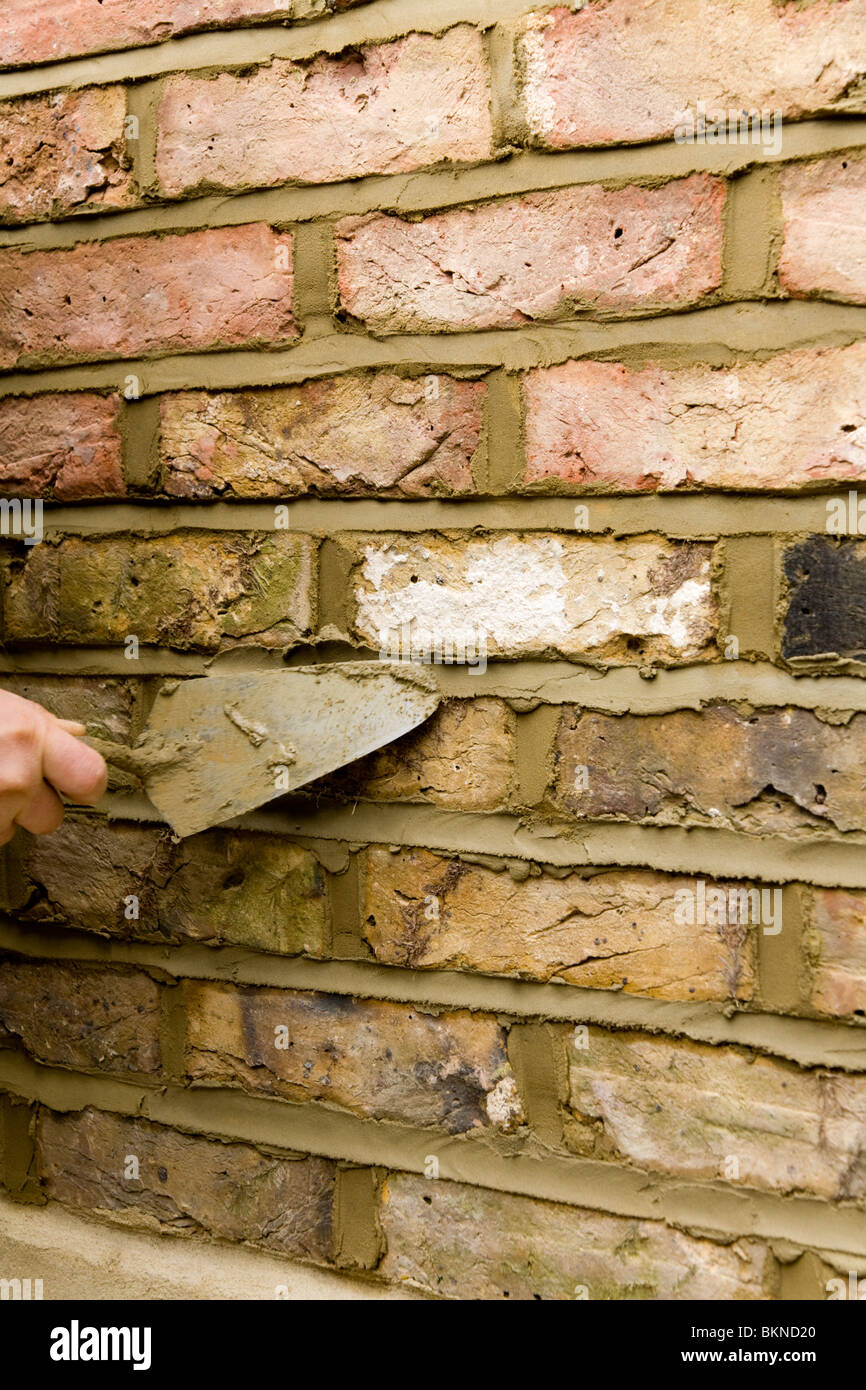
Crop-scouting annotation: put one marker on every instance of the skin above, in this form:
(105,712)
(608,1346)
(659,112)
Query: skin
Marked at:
(40,758)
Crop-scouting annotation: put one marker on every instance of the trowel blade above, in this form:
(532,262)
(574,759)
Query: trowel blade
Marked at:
(238,741)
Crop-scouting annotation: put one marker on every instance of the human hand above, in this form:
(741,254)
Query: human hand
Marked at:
(39,757)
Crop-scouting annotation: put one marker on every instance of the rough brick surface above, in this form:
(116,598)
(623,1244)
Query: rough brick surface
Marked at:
(63,153)
(219,287)
(542,256)
(64,445)
(825,596)
(470,1243)
(384,109)
(619,600)
(780,771)
(82,1017)
(797,420)
(223,886)
(344,435)
(372,1057)
(188,1185)
(105,706)
(41,31)
(613,930)
(823,249)
(685,1108)
(461,758)
(835,936)
(187,590)
(619,72)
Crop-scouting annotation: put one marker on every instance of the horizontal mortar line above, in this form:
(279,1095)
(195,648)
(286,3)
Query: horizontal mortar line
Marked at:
(702,516)
(723,331)
(578,1182)
(806,1042)
(720,853)
(254,44)
(617,690)
(439,187)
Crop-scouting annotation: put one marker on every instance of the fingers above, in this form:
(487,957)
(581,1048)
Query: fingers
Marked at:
(71,767)
(43,812)
(73,727)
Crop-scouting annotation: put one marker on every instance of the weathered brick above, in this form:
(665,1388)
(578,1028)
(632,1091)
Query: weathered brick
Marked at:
(105,705)
(221,887)
(788,423)
(44,32)
(688,1108)
(468,1242)
(541,256)
(824,610)
(644,600)
(65,445)
(368,1056)
(186,590)
(614,930)
(214,288)
(835,938)
(188,1185)
(62,153)
(617,72)
(82,1016)
(343,435)
(823,252)
(779,771)
(461,758)
(384,109)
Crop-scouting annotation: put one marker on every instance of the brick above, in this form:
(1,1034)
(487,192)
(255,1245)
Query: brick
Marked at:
(371,1057)
(44,33)
(347,435)
(823,251)
(835,938)
(105,706)
(148,294)
(614,930)
(462,1242)
(185,590)
(542,256)
(789,423)
(646,600)
(187,1185)
(461,758)
(221,887)
(617,73)
(685,1108)
(65,445)
(779,771)
(64,153)
(383,109)
(824,604)
(82,1017)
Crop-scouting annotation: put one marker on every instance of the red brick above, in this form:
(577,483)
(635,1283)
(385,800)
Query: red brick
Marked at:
(787,423)
(384,109)
(835,941)
(344,435)
(65,445)
(41,31)
(620,72)
(81,1016)
(823,248)
(215,288)
(542,256)
(63,153)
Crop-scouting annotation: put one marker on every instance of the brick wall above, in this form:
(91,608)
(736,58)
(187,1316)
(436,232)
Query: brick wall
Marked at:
(526,1003)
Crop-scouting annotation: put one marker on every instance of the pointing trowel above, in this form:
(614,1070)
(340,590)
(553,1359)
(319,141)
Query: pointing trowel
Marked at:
(218,746)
